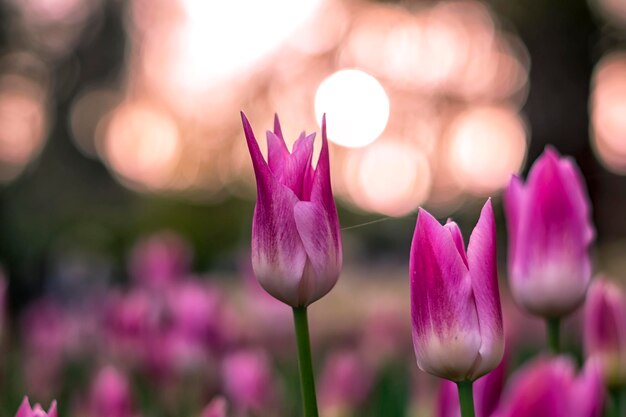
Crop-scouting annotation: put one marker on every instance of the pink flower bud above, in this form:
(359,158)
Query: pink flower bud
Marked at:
(551,388)
(550,232)
(110,394)
(605,330)
(216,408)
(455,302)
(345,382)
(296,244)
(159,260)
(26,411)
(248,381)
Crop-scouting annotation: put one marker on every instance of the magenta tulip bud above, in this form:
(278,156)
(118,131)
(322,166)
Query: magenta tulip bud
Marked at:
(551,388)
(296,243)
(455,302)
(487,392)
(550,232)
(216,408)
(110,394)
(160,260)
(26,411)
(248,380)
(605,330)
(345,383)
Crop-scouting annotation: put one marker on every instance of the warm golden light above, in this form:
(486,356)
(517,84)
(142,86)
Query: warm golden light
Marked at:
(217,39)
(608,110)
(486,145)
(356,106)
(141,144)
(22,124)
(390,177)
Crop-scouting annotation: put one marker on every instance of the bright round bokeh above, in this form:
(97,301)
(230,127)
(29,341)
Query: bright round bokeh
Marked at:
(356,106)
(391,177)
(486,146)
(141,145)
(608,107)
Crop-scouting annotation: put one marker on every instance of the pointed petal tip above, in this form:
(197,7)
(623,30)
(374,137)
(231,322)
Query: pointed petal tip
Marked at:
(277,129)
(551,154)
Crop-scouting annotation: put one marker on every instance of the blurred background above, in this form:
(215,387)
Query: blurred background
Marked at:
(122,158)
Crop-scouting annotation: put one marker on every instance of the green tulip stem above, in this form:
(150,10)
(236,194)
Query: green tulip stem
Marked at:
(307,381)
(617,408)
(466,398)
(554,335)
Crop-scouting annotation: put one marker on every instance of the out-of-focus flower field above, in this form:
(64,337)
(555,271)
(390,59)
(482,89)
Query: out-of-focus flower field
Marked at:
(127,196)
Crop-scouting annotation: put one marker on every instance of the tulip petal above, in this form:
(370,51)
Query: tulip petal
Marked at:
(321,189)
(481,255)
(448,400)
(551,269)
(324,255)
(261,169)
(278,256)
(277,129)
(540,389)
(575,185)
(292,170)
(488,390)
(445,323)
(457,236)
(587,392)
(277,152)
(605,329)
(25,409)
(52,411)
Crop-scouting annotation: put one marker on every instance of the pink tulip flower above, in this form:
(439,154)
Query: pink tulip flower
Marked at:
(26,411)
(551,388)
(550,232)
(455,301)
(160,260)
(605,330)
(248,381)
(296,244)
(216,408)
(110,395)
(346,381)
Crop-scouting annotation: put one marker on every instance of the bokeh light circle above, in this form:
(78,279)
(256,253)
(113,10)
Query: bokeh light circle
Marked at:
(142,144)
(486,146)
(390,176)
(356,105)
(608,107)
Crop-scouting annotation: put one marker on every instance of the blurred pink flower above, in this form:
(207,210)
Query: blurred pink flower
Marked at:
(550,231)
(160,259)
(605,330)
(296,242)
(110,394)
(26,411)
(196,313)
(216,408)
(455,301)
(346,381)
(549,387)
(386,335)
(248,381)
